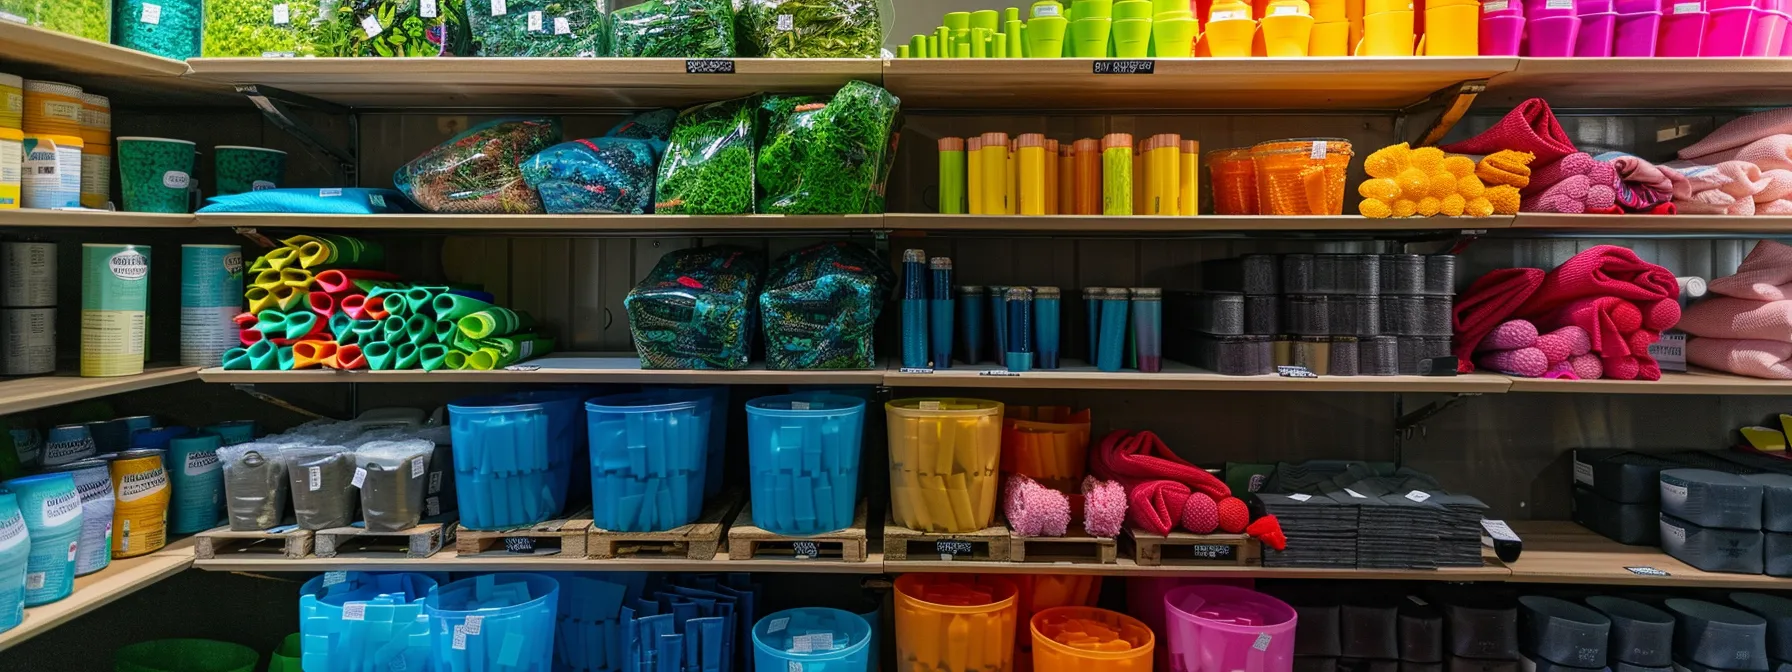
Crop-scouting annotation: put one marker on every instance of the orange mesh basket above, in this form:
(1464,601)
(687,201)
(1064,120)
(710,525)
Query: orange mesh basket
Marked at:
(1301,176)
(1234,181)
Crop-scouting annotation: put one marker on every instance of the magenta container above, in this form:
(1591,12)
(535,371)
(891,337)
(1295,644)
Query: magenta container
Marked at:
(1768,34)
(1551,36)
(1682,33)
(1726,31)
(1539,9)
(1595,38)
(1501,35)
(1634,35)
(1228,629)
(1145,601)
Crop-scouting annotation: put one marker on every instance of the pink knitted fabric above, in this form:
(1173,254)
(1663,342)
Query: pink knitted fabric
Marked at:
(1579,163)
(1510,335)
(1601,270)
(1726,317)
(1035,510)
(1561,371)
(1770,152)
(1764,275)
(1739,133)
(1201,515)
(1573,195)
(1563,343)
(1104,507)
(1641,185)
(1758,359)
(1530,127)
(1587,366)
(1526,362)
(1727,188)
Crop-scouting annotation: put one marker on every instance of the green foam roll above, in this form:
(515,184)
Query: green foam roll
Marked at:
(455,306)
(409,356)
(445,331)
(395,305)
(336,251)
(300,324)
(263,356)
(365,331)
(379,355)
(285,356)
(339,327)
(456,360)
(421,300)
(419,329)
(392,330)
(497,353)
(495,321)
(433,355)
(270,321)
(237,359)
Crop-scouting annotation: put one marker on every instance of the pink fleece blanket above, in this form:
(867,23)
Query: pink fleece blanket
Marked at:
(1733,318)
(1759,359)
(1729,188)
(1773,151)
(1764,275)
(1738,133)
(1641,185)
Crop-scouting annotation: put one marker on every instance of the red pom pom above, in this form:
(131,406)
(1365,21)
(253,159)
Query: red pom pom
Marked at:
(1269,531)
(1234,515)
(1201,515)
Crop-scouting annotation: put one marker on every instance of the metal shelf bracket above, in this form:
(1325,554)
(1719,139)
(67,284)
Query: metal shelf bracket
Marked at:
(249,389)
(276,105)
(1409,423)
(1450,103)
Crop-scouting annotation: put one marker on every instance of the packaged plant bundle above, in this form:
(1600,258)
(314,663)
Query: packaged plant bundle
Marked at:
(708,166)
(596,176)
(820,307)
(539,28)
(166,28)
(258,28)
(91,19)
(480,170)
(674,29)
(813,28)
(405,28)
(827,158)
(654,126)
(696,309)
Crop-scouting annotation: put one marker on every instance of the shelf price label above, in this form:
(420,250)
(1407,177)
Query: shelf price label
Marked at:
(520,545)
(806,550)
(1214,551)
(1125,67)
(709,66)
(1647,571)
(952,548)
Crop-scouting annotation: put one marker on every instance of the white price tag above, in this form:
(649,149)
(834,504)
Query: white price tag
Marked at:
(1354,493)
(776,626)
(435,483)
(1300,497)
(1231,15)
(332,191)
(801,644)
(315,478)
(499,8)
(354,611)
(1318,150)
(460,639)
(417,468)
(794,667)
(282,14)
(333,578)
(34,581)
(1262,643)
(1045,10)
(1494,6)
(1498,529)
(1286,9)
(929,406)
(799,405)
(534,22)
(1688,7)
(432,506)
(786,22)
(821,641)
(1558,4)
(474,625)
(370,24)
(1418,495)
(152,14)
(562,26)
(1583,473)
(427,9)
(360,477)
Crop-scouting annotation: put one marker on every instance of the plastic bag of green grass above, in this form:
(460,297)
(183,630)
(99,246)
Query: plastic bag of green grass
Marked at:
(91,19)
(674,29)
(253,28)
(827,158)
(813,28)
(539,28)
(708,167)
(405,28)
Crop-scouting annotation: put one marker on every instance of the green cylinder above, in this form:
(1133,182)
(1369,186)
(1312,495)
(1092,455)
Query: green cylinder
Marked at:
(952,177)
(185,655)
(409,356)
(379,355)
(432,356)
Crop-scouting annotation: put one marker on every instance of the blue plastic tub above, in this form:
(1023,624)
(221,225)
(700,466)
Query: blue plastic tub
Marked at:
(93,479)
(385,633)
(812,639)
(198,481)
(513,456)
(587,636)
(649,455)
(514,630)
(804,450)
(52,512)
(15,554)
(716,396)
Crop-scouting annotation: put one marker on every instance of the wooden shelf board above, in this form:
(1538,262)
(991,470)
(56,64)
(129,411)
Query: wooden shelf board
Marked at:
(25,394)
(101,588)
(448,560)
(126,75)
(1178,376)
(530,82)
(1653,82)
(1193,83)
(559,368)
(1697,381)
(93,219)
(656,225)
(1099,225)
(1690,224)
(1127,567)
(1563,552)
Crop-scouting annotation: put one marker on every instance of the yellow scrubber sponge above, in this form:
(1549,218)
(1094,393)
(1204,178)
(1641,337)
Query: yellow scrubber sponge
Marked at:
(1442,184)
(1470,187)
(1429,206)
(1388,161)
(1428,159)
(1460,166)
(1504,199)
(1478,207)
(1508,167)
(1374,209)
(1453,205)
(1380,189)
(1414,183)
(1405,208)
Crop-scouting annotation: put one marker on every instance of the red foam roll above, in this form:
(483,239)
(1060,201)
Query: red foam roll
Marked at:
(348,358)
(337,281)
(321,303)
(375,308)
(353,304)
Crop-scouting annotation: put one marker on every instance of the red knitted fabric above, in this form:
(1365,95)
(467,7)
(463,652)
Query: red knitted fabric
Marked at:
(1269,531)
(1601,270)
(1201,516)
(1124,456)
(1234,515)
(1530,127)
(1488,302)
(1156,506)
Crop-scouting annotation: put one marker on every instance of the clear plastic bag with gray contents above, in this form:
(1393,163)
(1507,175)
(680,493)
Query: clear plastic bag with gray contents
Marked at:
(323,494)
(255,485)
(394,479)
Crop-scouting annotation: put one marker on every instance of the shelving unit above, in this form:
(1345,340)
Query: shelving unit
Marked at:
(26,394)
(92,219)
(101,588)
(655,225)
(1178,376)
(558,368)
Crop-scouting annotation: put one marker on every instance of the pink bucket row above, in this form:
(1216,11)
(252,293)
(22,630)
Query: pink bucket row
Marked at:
(1635,28)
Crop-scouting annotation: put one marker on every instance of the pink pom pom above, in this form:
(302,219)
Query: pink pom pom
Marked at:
(1587,366)
(1035,510)
(1525,362)
(1201,515)
(1510,335)
(1104,507)
(1563,343)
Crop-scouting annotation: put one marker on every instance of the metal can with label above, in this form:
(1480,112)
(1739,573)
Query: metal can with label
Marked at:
(114,308)
(141,492)
(29,341)
(93,479)
(28,275)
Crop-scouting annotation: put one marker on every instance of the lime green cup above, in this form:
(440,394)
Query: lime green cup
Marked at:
(1174,38)
(1089,37)
(156,174)
(1045,37)
(1046,8)
(244,169)
(1092,9)
(988,19)
(1161,6)
(1132,38)
(958,20)
(1132,9)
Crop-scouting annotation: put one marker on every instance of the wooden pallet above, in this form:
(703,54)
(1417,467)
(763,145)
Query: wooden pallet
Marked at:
(564,537)
(1077,547)
(990,544)
(747,541)
(421,541)
(694,541)
(223,541)
(1184,548)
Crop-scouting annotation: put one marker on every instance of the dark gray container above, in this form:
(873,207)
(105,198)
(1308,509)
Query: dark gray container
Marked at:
(1220,313)
(1711,498)
(1403,315)
(1378,356)
(1262,315)
(1713,549)
(1343,357)
(1641,635)
(1711,634)
(1307,315)
(1776,501)
(1777,611)
(1562,632)
(1440,274)
(1636,524)
(1254,274)
(1402,274)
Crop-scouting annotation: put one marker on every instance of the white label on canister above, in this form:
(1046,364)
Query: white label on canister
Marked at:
(12,154)
(175,179)
(1044,10)
(1558,4)
(370,24)
(315,479)
(27,272)
(1285,9)
(473,625)
(1262,643)
(435,483)
(417,468)
(12,531)
(1688,7)
(460,639)
(786,22)
(333,578)
(432,506)
(354,611)
(1229,15)
(499,8)
(1494,6)
(428,9)
(776,626)
(59,109)
(61,509)
(261,185)
(1318,150)
(152,14)
(34,581)
(282,14)
(142,484)
(1675,494)
(799,405)
(201,462)
(1583,473)
(62,452)
(96,117)
(129,265)
(360,477)
(929,406)
(96,175)
(329,192)
(562,26)
(534,22)
(27,342)
(52,175)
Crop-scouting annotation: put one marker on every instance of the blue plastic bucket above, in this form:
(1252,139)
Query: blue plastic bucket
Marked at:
(804,451)
(649,456)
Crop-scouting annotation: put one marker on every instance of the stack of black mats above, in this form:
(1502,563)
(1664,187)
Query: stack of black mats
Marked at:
(1369,516)
(1374,629)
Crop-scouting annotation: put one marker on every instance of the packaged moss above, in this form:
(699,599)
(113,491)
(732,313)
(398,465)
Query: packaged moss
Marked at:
(273,29)
(91,19)
(708,167)
(480,170)
(166,28)
(827,158)
(539,28)
(405,28)
(596,176)
(674,29)
(813,28)
(820,307)
(654,126)
(19,11)
(697,309)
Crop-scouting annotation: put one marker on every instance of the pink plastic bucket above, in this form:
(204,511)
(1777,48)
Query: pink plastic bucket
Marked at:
(1682,32)
(1551,36)
(1500,35)
(1227,629)
(1145,601)
(1767,36)
(1726,31)
(1539,9)
(1633,35)
(1595,38)
(1636,6)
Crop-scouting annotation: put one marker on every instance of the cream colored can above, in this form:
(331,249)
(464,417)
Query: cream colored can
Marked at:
(12,167)
(12,101)
(29,345)
(27,275)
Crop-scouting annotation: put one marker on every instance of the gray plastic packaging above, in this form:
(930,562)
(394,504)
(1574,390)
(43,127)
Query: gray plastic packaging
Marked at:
(1713,549)
(394,479)
(1776,501)
(255,485)
(322,478)
(1711,499)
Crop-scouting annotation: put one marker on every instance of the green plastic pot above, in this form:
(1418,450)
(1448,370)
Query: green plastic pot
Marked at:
(288,657)
(185,655)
